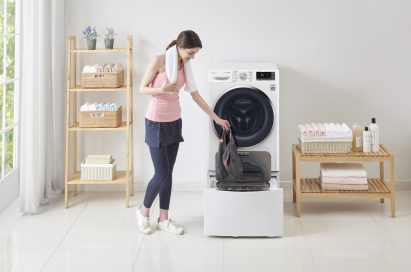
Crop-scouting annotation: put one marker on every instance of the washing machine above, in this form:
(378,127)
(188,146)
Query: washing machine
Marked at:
(247,95)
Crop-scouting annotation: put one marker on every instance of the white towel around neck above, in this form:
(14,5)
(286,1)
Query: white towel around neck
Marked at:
(172,70)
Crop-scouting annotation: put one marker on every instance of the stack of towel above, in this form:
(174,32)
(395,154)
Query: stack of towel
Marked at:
(100,68)
(329,130)
(343,176)
(99,159)
(99,107)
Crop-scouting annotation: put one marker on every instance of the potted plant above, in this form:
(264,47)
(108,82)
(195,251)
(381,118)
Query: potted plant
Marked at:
(109,37)
(90,34)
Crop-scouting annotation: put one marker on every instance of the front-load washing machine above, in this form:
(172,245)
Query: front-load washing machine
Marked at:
(247,95)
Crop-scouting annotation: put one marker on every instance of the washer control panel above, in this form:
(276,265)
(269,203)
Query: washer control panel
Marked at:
(240,76)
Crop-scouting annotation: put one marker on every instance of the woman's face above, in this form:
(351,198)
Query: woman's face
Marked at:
(186,54)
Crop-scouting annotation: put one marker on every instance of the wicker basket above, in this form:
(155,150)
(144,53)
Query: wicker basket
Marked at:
(98,171)
(329,146)
(100,118)
(102,80)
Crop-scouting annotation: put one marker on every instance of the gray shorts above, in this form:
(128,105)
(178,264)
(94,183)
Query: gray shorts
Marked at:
(160,134)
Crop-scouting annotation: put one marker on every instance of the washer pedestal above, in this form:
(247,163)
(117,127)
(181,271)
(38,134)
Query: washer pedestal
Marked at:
(228,213)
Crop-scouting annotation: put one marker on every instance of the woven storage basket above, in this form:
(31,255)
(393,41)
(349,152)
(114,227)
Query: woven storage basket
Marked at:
(98,171)
(100,118)
(330,145)
(102,80)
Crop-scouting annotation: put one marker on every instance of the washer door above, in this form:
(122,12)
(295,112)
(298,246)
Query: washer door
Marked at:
(249,112)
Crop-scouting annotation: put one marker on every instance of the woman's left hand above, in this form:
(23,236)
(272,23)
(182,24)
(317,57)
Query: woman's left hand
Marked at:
(224,123)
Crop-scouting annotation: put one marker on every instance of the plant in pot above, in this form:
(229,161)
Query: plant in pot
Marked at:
(109,37)
(90,34)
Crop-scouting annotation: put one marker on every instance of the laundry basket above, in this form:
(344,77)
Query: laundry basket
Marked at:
(325,145)
(102,79)
(98,171)
(100,118)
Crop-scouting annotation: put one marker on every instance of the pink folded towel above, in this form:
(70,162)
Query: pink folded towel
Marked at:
(344,180)
(351,187)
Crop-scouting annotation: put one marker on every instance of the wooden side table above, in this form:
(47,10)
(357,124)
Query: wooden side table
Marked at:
(311,187)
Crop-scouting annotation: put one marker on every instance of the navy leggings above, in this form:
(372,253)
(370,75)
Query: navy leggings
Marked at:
(163,158)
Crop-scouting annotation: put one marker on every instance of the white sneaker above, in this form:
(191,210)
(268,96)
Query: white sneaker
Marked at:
(143,222)
(170,226)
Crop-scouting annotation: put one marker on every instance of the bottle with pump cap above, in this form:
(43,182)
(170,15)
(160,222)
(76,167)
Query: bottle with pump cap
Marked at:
(375,136)
(366,140)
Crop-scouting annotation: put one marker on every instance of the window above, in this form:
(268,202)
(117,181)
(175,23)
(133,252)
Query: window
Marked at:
(9,85)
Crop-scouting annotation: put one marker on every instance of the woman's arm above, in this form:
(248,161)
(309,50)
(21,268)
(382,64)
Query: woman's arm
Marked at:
(206,108)
(152,70)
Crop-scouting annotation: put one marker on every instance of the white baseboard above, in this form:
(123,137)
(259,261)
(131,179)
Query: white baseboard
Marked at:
(400,185)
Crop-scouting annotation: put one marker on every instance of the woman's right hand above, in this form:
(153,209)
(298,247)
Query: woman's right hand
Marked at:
(170,87)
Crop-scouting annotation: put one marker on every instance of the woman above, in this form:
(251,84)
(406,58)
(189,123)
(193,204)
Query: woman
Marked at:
(164,78)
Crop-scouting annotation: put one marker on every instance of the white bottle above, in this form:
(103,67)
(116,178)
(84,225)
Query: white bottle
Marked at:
(375,136)
(366,140)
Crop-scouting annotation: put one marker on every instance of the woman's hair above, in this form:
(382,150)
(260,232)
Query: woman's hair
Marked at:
(187,39)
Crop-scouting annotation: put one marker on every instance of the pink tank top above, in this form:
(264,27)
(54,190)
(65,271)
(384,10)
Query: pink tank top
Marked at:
(165,107)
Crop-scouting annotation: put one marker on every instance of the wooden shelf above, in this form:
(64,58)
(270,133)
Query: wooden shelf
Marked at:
(351,156)
(121,178)
(100,50)
(76,127)
(119,89)
(311,187)
(75,93)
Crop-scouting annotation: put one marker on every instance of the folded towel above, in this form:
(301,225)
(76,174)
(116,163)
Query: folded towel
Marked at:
(99,68)
(106,106)
(309,130)
(92,107)
(114,106)
(172,70)
(85,107)
(98,159)
(302,131)
(99,106)
(344,180)
(89,69)
(117,68)
(108,67)
(350,187)
(337,170)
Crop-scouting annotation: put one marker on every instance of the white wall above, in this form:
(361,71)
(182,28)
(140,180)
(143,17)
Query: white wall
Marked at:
(339,61)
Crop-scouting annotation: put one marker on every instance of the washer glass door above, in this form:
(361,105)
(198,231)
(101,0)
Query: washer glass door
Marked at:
(249,112)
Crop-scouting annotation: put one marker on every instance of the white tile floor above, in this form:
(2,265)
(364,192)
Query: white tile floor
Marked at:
(98,234)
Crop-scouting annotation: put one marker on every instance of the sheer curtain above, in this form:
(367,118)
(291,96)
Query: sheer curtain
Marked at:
(42,105)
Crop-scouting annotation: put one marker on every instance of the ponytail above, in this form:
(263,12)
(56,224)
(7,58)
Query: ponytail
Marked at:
(187,39)
(173,42)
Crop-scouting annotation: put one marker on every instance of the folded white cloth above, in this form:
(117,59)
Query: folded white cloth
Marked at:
(99,68)
(331,169)
(99,106)
(98,159)
(92,107)
(89,69)
(107,68)
(84,107)
(350,187)
(345,180)
(106,106)
(172,70)
(114,106)
(117,68)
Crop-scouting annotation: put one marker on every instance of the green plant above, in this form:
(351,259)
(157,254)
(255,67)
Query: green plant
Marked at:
(109,33)
(90,33)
